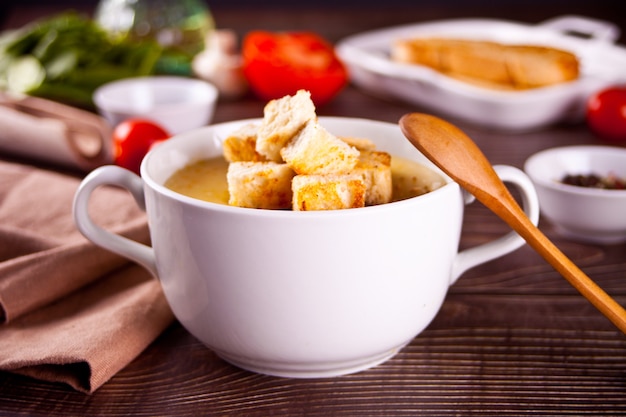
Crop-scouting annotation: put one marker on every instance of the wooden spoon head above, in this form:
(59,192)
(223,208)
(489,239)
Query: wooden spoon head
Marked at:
(451,150)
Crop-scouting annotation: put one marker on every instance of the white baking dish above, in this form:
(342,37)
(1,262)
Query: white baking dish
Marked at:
(603,63)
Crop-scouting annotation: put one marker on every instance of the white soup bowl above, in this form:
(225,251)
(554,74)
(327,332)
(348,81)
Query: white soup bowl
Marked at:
(299,294)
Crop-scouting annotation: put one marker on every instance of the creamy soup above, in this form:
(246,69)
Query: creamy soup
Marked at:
(206,180)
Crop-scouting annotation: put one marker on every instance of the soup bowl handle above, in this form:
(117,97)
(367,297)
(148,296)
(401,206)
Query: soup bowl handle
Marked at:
(485,252)
(112,175)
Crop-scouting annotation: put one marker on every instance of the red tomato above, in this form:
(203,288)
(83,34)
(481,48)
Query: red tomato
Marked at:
(606,114)
(132,139)
(279,64)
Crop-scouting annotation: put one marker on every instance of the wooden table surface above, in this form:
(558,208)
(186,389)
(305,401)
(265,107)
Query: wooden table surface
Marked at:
(512,337)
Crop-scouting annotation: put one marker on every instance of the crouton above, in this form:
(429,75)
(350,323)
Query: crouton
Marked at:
(375,167)
(264,185)
(361,144)
(282,119)
(240,145)
(328,192)
(314,150)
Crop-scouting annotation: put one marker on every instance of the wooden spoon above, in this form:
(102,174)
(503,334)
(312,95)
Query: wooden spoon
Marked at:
(459,157)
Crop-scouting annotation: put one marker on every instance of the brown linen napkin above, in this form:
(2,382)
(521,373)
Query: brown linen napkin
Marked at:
(53,132)
(71,312)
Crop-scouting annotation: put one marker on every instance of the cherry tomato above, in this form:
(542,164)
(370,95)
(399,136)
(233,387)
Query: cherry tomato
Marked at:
(606,114)
(132,139)
(277,64)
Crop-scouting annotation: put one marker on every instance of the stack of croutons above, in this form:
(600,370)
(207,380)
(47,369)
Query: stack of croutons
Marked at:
(290,161)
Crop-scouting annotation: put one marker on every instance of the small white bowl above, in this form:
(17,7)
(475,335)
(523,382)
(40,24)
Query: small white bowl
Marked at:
(581,213)
(176,103)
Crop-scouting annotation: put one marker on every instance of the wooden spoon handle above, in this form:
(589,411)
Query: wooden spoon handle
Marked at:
(515,217)
(459,157)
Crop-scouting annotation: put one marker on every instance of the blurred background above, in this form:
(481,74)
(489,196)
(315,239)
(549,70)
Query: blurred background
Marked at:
(265,13)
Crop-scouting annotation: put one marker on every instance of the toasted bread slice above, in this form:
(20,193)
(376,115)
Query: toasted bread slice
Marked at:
(265,185)
(314,150)
(490,64)
(282,120)
(375,166)
(328,192)
(240,145)
(536,66)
